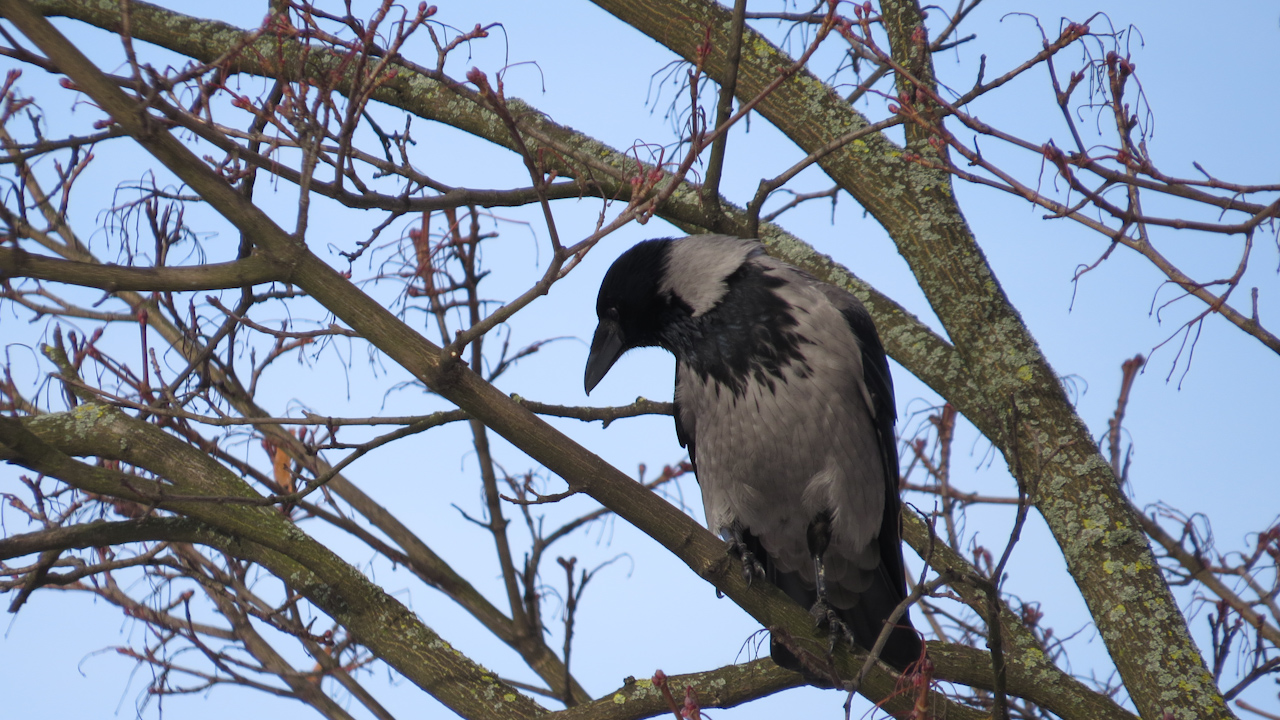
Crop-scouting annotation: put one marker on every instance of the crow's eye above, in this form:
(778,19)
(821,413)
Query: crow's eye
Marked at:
(611,313)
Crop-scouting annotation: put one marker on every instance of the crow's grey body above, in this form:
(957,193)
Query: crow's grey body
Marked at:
(784,400)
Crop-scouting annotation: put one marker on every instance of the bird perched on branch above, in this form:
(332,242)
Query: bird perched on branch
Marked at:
(784,400)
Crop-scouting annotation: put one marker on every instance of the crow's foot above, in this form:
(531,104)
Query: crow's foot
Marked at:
(751,567)
(825,617)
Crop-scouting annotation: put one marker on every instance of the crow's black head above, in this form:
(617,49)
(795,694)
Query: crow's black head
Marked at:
(632,307)
(697,297)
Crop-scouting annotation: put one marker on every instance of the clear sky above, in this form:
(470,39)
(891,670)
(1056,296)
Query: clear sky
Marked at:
(1204,441)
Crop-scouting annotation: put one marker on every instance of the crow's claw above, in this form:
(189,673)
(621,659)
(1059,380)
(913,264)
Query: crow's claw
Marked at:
(751,567)
(825,617)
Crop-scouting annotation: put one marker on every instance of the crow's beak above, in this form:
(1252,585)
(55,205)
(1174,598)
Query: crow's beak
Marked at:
(606,348)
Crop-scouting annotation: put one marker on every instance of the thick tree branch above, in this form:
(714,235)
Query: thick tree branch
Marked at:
(723,687)
(258,534)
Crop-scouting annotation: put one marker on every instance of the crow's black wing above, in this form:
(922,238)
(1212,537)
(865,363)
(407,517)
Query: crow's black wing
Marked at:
(904,645)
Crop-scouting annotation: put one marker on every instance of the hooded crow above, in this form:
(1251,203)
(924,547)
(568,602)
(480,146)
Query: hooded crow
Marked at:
(784,400)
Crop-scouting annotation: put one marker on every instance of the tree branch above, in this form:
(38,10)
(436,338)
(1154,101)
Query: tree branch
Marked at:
(723,687)
(253,270)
